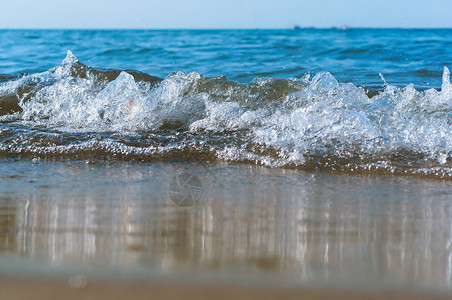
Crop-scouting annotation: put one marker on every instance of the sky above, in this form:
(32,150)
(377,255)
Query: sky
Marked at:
(168,14)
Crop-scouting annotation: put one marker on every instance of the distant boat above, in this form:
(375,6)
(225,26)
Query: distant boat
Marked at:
(296,27)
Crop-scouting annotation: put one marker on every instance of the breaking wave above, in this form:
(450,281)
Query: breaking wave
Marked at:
(314,122)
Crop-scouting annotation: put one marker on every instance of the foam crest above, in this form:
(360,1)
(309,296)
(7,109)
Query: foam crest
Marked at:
(305,122)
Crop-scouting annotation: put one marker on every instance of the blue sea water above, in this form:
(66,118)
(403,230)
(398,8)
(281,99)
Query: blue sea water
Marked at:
(356,55)
(373,100)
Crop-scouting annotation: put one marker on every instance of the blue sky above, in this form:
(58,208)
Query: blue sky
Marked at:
(224,14)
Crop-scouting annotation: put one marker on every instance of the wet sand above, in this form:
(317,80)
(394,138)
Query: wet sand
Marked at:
(317,235)
(38,288)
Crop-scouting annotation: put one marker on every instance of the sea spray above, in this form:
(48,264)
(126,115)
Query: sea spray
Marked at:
(76,110)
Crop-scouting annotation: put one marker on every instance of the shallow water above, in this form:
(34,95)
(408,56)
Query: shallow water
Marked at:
(362,100)
(251,222)
(314,156)
(77,111)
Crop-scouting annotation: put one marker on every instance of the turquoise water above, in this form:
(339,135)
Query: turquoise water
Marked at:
(356,55)
(367,100)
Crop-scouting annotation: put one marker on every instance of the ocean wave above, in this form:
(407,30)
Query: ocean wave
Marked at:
(314,122)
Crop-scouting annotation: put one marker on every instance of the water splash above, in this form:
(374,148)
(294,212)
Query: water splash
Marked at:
(303,123)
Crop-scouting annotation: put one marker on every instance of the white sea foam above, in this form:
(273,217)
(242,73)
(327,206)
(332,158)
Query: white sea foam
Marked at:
(283,124)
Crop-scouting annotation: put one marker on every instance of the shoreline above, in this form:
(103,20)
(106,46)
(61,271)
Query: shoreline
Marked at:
(117,224)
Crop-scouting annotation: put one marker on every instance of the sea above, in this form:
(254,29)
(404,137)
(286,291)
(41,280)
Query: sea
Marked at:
(285,155)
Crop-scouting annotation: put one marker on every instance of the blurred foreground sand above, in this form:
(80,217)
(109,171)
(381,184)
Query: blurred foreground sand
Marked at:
(37,288)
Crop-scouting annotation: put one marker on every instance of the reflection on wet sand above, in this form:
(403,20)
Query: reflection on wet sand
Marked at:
(7,224)
(255,220)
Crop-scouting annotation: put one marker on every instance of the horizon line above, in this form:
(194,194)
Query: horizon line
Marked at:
(295,28)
